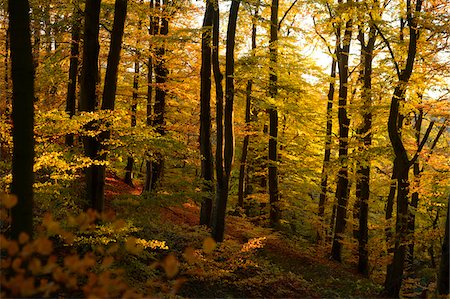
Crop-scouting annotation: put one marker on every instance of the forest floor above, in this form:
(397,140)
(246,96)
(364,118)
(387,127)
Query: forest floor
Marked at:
(253,261)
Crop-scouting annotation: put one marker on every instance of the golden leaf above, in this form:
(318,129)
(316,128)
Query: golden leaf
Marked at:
(170,265)
(189,255)
(209,245)
(8,200)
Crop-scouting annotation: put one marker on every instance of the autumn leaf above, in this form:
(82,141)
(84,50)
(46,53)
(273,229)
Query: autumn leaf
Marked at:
(209,245)
(170,265)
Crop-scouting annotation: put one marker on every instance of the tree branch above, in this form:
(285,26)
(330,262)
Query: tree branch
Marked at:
(285,14)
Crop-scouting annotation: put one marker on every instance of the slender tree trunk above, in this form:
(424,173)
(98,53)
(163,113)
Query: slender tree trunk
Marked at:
(130,160)
(88,99)
(161,73)
(415,194)
(73,69)
(363,165)
(342,184)
(243,169)
(109,89)
(394,275)
(222,192)
(149,120)
(327,153)
(22,117)
(275,213)
(443,277)
(207,167)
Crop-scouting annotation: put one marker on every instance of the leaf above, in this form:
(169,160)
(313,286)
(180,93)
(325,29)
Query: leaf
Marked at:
(209,245)
(8,200)
(189,255)
(170,265)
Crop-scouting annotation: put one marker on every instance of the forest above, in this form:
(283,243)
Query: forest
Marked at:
(224,148)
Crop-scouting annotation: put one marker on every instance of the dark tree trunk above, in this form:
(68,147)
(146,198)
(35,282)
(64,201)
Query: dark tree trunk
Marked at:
(148,162)
(88,99)
(394,274)
(443,277)
(161,72)
(243,169)
(415,195)
(130,160)
(227,135)
(327,152)
(22,117)
(344,122)
(275,213)
(363,165)
(73,69)
(110,87)
(207,167)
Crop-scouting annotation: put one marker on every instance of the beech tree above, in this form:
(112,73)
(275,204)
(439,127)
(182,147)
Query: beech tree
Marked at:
(207,167)
(223,165)
(342,53)
(88,99)
(22,117)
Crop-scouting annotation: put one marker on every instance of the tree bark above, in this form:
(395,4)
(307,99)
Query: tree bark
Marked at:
(275,213)
(227,137)
(22,117)
(443,277)
(130,160)
(394,275)
(161,72)
(243,169)
(149,120)
(344,122)
(363,165)
(71,96)
(88,99)
(327,152)
(207,167)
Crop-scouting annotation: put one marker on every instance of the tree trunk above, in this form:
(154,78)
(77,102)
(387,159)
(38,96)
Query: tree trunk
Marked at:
(161,72)
(130,160)
(73,69)
(344,122)
(149,121)
(227,137)
(88,99)
(275,213)
(363,164)
(207,166)
(243,169)
(22,117)
(327,152)
(443,277)
(394,275)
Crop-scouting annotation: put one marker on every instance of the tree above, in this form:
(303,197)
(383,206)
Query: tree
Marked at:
(73,68)
(243,169)
(342,53)
(275,213)
(88,99)
(402,163)
(443,277)
(223,165)
(159,109)
(364,133)
(22,117)
(207,167)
